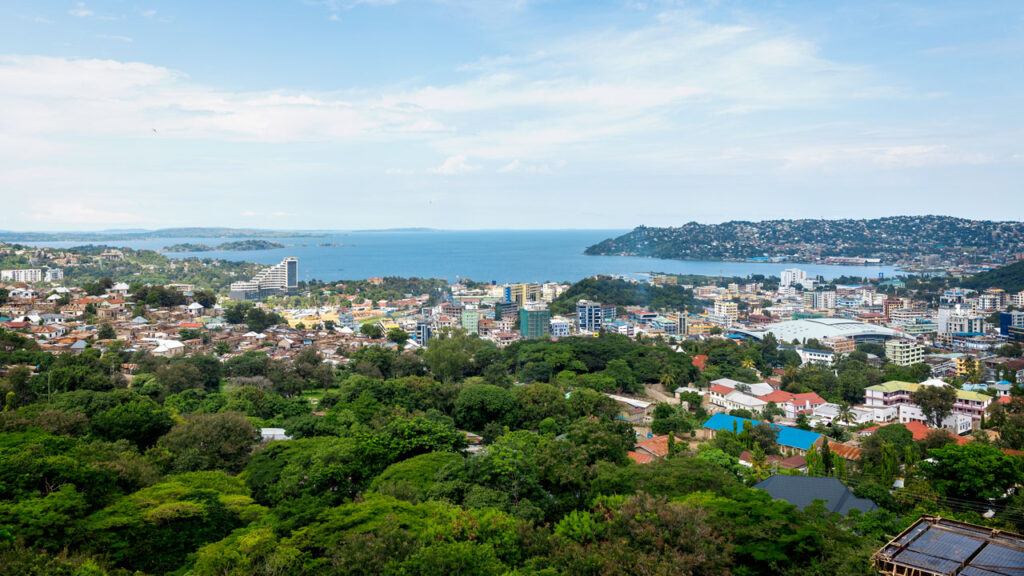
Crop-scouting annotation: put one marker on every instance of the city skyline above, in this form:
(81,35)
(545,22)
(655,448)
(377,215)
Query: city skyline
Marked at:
(335,115)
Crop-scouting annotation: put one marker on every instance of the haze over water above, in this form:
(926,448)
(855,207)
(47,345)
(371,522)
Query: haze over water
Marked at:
(483,255)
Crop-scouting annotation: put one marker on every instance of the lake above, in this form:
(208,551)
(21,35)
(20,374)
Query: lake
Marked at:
(482,255)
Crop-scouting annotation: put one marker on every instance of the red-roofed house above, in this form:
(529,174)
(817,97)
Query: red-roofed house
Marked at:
(794,404)
(656,447)
(640,457)
(700,361)
(921,431)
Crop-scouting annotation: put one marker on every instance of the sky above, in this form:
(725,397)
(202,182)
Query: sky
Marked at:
(506,114)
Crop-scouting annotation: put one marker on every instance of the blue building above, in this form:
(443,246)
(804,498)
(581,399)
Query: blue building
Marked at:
(792,439)
(1008,320)
(422,334)
(591,316)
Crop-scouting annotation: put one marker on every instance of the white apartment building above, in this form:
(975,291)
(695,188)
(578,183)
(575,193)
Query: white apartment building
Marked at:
(26,275)
(793,277)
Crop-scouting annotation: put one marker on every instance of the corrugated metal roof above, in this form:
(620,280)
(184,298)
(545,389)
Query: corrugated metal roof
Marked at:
(790,437)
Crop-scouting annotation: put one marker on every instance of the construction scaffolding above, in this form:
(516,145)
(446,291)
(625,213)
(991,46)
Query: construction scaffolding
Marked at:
(936,546)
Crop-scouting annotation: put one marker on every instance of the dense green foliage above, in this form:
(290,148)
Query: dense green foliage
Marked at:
(1009,278)
(623,293)
(169,476)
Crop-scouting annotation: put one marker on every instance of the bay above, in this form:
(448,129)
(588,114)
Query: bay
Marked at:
(482,255)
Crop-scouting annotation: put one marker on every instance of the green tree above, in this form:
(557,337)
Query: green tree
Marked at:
(936,402)
(209,442)
(371,330)
(479,404)
(141,422)
(398,336)
(106,332)
(972,471)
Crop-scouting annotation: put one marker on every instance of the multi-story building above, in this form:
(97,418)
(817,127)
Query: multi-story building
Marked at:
(470,320)
(26,275)
(534,323)
(724,313)
(895,393)
(591,316)
(54,274)
(904,352)
(507,309)
(560,328)
(1018,299)
(823,300)
(422,332)
(277,279)
(840,344)
(346,320)
(793,277)
(1009,320)
(523,293)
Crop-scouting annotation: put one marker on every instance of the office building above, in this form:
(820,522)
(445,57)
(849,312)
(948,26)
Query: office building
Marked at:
(534,323)
(277,279)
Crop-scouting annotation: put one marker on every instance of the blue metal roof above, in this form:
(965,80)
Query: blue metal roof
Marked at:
(790,437)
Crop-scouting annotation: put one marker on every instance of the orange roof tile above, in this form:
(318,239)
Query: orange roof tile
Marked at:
(640,457)
(657,445)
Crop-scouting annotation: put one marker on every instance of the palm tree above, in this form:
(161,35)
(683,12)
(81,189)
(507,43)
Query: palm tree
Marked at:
(668,381)
(845,414)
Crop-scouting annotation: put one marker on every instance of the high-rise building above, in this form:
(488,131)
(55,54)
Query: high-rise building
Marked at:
(277,279)
(590,316)
(793,277)
(534,323)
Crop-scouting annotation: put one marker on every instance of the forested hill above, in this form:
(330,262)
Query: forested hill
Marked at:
(1009,278)
(622,293)
(891,239)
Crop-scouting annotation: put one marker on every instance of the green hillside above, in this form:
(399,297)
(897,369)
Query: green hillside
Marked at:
(1009,278)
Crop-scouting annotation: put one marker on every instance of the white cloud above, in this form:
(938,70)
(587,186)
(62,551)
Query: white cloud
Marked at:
(517,166)
(455,165)
(80,10)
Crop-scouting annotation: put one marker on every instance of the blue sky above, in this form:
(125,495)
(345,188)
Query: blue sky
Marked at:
(506,113)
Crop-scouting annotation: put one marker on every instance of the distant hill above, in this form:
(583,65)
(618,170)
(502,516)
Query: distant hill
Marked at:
(889,239)
(121,235)
(1009,278)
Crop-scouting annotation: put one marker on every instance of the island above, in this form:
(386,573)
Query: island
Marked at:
(235,246)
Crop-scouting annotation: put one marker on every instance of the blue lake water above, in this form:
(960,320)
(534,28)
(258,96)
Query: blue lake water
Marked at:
(483,255)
